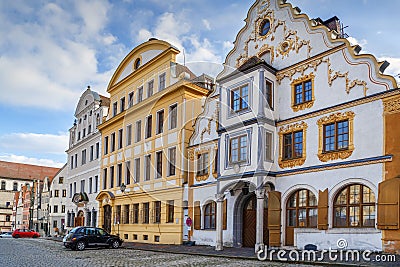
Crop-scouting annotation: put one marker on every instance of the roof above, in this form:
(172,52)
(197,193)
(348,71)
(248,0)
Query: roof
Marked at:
(26,171)
(105,101)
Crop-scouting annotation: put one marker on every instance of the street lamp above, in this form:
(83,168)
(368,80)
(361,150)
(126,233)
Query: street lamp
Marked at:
(123,188)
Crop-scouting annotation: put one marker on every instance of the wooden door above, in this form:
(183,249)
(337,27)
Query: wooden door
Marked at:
(107,218)
(250,223)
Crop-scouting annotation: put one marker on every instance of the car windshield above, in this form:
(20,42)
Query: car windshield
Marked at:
(74,230)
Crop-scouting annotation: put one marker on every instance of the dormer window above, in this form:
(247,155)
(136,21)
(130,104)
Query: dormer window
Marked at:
(137,63)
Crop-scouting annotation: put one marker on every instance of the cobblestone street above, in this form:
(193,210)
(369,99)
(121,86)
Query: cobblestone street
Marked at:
(44,252)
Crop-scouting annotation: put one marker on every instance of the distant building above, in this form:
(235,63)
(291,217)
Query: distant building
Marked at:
(20,178)
(82,177)
(56,199)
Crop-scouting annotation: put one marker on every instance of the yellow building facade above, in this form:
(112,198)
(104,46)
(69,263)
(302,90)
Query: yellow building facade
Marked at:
(153,104)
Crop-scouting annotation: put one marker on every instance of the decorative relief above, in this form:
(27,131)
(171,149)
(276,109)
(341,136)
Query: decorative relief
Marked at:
(191,154)
(391,105)
(304,105)
(333,75)
(267,49)
(210,120)
(290,163)
(215,171)
(339,154)
(301,68)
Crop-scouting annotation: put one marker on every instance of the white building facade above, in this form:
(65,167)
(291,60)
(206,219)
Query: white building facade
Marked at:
(300,140)
(54,204)
(83,167)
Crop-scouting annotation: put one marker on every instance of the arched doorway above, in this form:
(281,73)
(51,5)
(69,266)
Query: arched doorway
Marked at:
(107,218)
(250,222)
(80,219)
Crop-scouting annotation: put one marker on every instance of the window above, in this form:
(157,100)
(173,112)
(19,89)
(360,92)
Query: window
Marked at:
(157,211)
(54,224)
(84,157)
(170,211)
(173,116)
(3,185)
(70,190)
(161,85)
(269,94)
(125,216)
(202,164)
(84,133)
(160,121)
(74,187)
(148,126)
(238,149)
(55,209)
(119,174)
(94,218)
(60,180)
(172,161)
(336,136)
(150,86)
(91,155)
(137,170)
(120,136)
(159,164)
(90,129)
(128,135)
(111,176)
(240,98)
(79,136)
(293,145)
(118,214)
(268,146)
(15,186)
(72,162)
(264,27)
(8,218)
(63,208)
(64,192)
(130,99)
(56,193)
(147,162)
(140,94)
(76,160)
(302,209)
(210,215)
(138,137)
(127,172)
(146,212)
(354,206)
(135,213)
(112,142)
(137,63)
(96,184)
(82,186)
(105,178)
(122,104)
(90,185)
(97,150)
(106,145)
(303,92)
(115,108)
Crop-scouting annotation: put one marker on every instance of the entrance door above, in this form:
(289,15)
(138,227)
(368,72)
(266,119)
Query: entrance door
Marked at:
(107,218)
(250,222)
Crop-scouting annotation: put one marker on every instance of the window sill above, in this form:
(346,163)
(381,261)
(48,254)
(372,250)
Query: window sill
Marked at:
(302,106)
(202,177)
(334,155)
(290,163)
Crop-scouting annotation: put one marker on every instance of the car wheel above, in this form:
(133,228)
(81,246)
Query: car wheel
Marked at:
(115,244)
(16,236)
(80,245)
(35,236)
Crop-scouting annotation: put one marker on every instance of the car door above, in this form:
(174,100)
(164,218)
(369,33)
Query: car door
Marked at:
(102,237)
(91,236)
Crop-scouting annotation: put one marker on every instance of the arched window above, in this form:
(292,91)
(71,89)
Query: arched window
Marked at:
(354,206)
(137,63)
(210,215)
(302,209)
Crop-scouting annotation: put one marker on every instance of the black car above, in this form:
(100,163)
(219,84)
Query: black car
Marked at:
(81,237)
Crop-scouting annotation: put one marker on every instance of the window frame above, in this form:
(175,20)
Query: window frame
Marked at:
(173,116)
(162,81)
(171,161)
(150,89)
(242,102)
(210,216)
(159,166)
(297,208)
(160,122)
(292,128)
(304,104)
(239,138)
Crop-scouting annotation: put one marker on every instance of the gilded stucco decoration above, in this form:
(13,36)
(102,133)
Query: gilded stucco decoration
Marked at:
(333,75)
(391,105)
(210,120)
(300,68)
(340,154)
(304,105)
(290,163)
(215,171)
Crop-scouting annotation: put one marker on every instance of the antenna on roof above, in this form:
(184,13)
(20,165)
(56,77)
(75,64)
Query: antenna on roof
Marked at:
(184,58)
(342,33)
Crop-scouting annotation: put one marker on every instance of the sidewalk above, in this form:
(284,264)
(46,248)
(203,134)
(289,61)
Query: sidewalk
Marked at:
(248,254)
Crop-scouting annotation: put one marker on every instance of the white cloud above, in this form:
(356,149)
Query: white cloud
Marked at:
(394,67)
(206,24)
(33,142)
(354,41)
(144,35)
(33,161)
(227,46)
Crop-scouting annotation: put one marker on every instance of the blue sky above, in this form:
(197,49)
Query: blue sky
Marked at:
(51,50)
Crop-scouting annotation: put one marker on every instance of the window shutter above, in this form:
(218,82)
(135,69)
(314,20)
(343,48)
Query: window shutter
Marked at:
(197,216)
(274,218)
(323,209)
(388,204)
(224,214)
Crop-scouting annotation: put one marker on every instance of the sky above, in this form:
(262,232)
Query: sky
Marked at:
(50,51)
